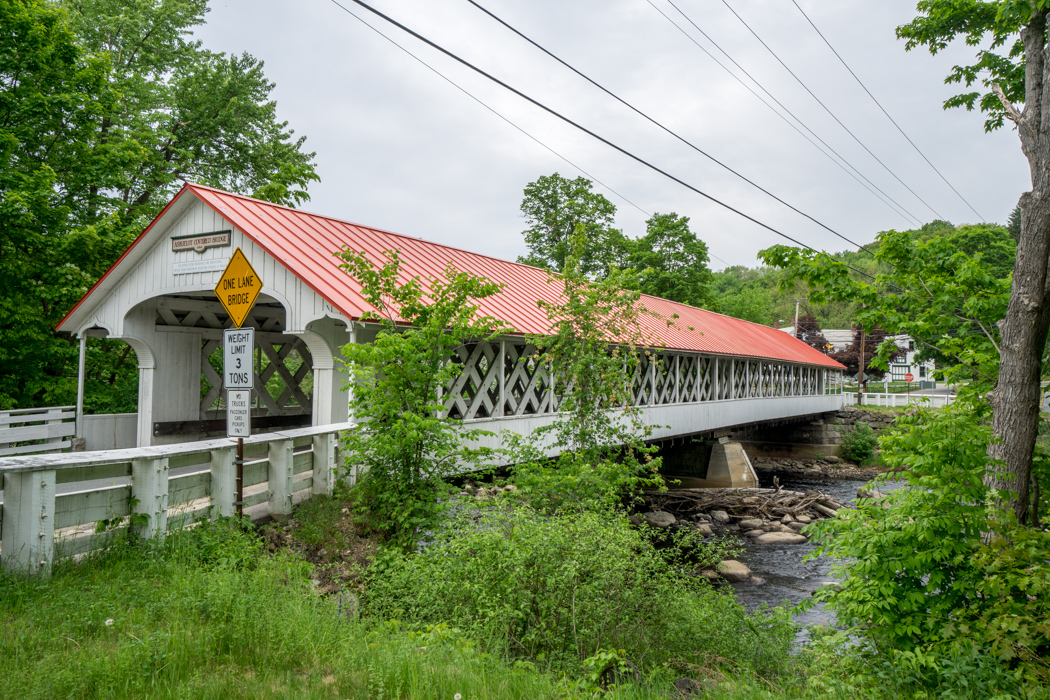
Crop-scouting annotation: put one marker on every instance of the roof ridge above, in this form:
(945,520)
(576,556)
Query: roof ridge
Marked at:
(442,245)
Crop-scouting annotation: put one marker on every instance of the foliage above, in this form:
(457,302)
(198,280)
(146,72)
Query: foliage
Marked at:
(859,444)
(808,331)
(207,613)
(556,209)
(404,442)
(108,106)
(593,347)
(919,576)
(994,26)
(671,261)
(931,290)
(554,590)
(878,348)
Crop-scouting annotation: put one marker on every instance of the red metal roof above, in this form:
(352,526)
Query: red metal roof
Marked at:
(306,244)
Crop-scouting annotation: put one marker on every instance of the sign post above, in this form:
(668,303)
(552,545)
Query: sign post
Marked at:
(237,290)
(908,378)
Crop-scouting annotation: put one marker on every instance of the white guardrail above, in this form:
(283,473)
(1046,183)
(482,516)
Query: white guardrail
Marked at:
(26,430)
(898,400)
(103,494)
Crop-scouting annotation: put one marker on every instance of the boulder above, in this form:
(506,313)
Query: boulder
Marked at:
(710,575)
(755,533)
(868,492)
(658,518)
(787,519)
(732,570)
(685,688)
(750,523)
(796,526)
(635,519)
(704,529)
(832,459)
(720,516)
(804,519)
(780,538)
(510,488)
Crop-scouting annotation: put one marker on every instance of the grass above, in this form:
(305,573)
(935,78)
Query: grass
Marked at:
(212,613)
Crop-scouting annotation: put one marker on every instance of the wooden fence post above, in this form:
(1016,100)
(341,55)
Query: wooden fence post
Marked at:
(29,522)
(223,483)
(324,464)
(280,478)
(149,491)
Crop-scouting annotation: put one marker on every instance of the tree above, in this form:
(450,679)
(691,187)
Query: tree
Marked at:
(671,261)
(594,346)
(405,442)
(555,208)
(1020,74)
(50,94)
(875,354)
(1013,225)
(808,331)
(105,107)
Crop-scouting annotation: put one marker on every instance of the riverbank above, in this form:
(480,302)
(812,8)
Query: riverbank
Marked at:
(828,468)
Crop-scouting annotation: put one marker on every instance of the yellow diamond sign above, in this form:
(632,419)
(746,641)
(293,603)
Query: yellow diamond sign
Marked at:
(238,288)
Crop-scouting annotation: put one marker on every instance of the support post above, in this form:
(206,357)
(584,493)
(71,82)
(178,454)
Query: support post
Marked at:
(29,523)
(732,379)
(324,464)
(149,489)
(223,483)
(860,370)
(716,394)
(501,408)
(280,478)
(677,379)
(80,386)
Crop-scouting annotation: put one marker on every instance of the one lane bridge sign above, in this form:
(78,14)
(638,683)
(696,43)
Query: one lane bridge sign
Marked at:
(238,346)
(238,288)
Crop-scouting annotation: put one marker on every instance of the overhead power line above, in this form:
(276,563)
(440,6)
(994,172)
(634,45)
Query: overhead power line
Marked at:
(664,128)
(582,128)
(892,120)
(828,110)
(493,110)
(847,167)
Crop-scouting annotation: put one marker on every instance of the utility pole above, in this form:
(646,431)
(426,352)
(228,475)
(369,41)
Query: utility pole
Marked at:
(796,316)
(860,370)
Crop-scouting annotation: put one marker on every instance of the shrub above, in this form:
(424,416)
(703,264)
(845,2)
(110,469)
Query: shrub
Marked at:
(859,444)
(405,443)
(554,590)
(935,569)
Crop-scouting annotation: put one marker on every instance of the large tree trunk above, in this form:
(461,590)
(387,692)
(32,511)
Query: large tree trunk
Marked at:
(1016,398)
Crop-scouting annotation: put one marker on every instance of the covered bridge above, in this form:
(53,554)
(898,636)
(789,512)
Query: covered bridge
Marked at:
(158,298)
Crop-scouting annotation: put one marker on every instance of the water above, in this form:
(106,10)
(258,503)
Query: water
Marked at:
(786,579)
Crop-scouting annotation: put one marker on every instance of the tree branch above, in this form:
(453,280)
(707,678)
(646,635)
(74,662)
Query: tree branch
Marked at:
(1011,111)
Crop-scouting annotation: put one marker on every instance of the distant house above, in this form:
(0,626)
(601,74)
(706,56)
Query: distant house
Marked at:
(841,338)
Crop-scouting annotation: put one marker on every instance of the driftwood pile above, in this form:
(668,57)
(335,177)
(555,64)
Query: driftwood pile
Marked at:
(764,504)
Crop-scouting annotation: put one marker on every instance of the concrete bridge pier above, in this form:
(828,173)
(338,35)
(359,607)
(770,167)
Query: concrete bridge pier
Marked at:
(718,463)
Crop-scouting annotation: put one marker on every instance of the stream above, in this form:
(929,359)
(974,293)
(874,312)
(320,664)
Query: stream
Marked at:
(787,579)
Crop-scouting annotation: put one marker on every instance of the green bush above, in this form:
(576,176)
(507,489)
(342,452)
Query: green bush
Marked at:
(935,569)
(858,444)
(554,590)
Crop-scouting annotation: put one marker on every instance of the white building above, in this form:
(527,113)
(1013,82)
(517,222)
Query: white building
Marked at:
(841,338)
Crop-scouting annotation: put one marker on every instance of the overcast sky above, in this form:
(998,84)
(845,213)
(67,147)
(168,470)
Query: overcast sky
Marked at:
(400,148)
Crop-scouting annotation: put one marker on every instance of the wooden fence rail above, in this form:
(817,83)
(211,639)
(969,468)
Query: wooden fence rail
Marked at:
(27,430)
(117,490)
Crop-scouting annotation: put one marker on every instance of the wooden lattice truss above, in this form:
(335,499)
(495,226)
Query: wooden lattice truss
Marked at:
(506,378)
(283,380)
